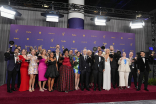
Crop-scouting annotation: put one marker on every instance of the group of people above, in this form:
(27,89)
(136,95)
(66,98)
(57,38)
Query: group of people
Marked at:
(67,71)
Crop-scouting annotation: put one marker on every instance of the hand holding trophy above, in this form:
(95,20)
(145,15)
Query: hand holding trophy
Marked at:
(7,54)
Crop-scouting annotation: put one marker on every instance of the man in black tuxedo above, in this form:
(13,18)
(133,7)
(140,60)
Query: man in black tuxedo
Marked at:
(143,70)
(133,72)
(13,68)
(98,68)
(84,69)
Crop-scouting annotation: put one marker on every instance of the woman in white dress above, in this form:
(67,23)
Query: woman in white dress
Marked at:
(107,72)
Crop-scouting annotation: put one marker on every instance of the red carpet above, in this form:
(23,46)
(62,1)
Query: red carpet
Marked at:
(75,96)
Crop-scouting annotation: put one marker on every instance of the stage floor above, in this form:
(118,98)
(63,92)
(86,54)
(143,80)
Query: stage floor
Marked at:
(75,96)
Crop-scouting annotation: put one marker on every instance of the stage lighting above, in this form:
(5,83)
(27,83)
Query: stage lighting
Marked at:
(100,21)
(137,24)
(52,18)
(8,13)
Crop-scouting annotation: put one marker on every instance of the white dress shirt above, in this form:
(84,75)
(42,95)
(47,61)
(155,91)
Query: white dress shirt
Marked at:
(57,57)
(85,57)
(99,59)
(15,58)
(143,58)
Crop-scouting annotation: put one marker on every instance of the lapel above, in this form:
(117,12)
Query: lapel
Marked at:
(13,58)
(99,59)
(143,60)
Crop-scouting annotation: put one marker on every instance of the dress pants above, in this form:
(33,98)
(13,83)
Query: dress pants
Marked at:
(145,75)
(84,79)
(114,77)
(11,75)
(123,79)
(134,74)
(98,78)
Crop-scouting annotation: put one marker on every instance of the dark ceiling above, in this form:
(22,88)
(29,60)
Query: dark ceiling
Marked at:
(136,5)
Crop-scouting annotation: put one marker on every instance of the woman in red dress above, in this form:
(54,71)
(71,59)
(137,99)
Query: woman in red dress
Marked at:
(66,80)
(24,72)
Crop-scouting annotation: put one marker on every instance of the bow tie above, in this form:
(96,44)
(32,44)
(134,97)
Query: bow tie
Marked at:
(142,57)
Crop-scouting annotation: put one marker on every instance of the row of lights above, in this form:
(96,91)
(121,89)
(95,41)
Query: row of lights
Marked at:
(53,17)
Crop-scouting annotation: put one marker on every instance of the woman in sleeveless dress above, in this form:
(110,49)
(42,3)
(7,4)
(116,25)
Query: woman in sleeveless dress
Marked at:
(107,72)
(66,78)
(52,71)
(42,70)
(76,69)
(32,71)
(24,86)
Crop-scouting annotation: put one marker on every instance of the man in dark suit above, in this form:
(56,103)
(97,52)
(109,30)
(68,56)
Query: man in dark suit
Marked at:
(13,68)
(143,70)
(114,67)
(98,68)
(85,70)
(133,72)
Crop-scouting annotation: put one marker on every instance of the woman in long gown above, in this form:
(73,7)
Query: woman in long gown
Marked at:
(66,80)
(52,71)
(42,70)
(24,86)
(107,72)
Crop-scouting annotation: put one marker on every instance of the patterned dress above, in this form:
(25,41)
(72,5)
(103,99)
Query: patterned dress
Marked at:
(76,65)
(66,80)
(33,65)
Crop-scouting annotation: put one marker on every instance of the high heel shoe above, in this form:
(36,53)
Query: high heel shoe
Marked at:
(30,90)
(33,89)
(44,88)
(41,90)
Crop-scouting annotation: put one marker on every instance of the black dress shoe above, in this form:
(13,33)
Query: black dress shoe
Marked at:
(146,89)
(99,89)
(87,89)
(9,91)
(14,89)
(94,89)
(138,89)
(114,87)
(82,89)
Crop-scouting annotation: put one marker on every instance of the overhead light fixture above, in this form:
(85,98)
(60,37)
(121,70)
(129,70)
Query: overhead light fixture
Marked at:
(137,24)
(100,21)
(52,16)
(8,12)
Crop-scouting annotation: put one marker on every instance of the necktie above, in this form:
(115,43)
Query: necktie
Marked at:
(85,58)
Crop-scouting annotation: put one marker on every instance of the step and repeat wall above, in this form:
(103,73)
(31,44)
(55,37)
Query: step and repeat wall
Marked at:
(49,37)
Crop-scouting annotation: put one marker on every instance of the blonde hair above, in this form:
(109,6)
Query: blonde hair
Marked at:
(42,51)
(106,51)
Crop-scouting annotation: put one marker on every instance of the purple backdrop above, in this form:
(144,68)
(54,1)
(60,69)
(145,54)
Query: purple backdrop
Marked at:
(48,37)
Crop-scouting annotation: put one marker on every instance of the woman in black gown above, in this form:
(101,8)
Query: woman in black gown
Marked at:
(52,71)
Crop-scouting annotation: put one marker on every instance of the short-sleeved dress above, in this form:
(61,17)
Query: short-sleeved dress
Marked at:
(33,65)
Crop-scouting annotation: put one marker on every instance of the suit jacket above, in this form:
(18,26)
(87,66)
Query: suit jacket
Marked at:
(98,66)
(84,65)
(134,65)
(124,67)
(143,66)
(12,63)
(114,62)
